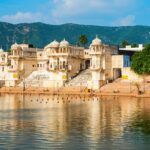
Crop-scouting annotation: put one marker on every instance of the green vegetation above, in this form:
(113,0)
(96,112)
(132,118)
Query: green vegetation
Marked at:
(40,34)
(134,45)
(141,61)
(83,40)
(124,44)
(8,50)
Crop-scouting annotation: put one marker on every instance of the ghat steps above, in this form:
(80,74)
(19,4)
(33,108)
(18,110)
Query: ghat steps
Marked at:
(81,79)
(35,80)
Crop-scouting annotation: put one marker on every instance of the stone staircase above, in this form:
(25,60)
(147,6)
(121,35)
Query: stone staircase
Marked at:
(81,79)
(34,79)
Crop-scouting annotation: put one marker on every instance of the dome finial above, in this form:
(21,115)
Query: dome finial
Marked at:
(64,43)
(96,41)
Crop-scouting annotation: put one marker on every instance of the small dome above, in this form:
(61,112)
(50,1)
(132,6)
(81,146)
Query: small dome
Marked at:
(64,43)
(1,50)
(15,46)
(53,44)
(96,41)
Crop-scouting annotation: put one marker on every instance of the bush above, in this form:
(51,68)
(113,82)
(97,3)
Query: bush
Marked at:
(141,61)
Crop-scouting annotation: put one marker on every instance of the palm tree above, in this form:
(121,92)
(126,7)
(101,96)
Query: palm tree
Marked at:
(83,40)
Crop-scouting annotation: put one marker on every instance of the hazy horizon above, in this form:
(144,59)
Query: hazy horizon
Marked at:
(71,23)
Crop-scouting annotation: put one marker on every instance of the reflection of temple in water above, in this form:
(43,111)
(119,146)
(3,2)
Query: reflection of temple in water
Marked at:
(62,116)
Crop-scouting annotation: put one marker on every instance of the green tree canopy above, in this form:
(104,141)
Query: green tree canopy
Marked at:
(8,50)
(141,61)
(83,40)
(134,45)
(124,43)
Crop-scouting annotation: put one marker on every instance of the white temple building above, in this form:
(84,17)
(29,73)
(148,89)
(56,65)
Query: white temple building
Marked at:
(58,63)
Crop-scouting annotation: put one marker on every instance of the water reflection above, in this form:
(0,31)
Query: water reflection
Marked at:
(52,122)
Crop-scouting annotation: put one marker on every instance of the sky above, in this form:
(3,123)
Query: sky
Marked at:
(91,12)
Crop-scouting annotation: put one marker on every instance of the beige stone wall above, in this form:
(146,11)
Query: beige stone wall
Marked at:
(108,65)
(29,66)
(74,65)
(117,61)
(129,75)
(109,50)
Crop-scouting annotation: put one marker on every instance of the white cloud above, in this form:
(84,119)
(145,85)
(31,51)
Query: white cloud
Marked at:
(76,11)
(64,8)
(126,21)
(20,17)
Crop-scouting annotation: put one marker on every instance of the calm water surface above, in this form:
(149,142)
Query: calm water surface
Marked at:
(72,123)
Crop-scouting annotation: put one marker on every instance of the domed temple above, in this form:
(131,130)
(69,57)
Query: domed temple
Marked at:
(58,63)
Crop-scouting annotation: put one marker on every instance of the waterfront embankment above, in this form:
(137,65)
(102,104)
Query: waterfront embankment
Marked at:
(72,91)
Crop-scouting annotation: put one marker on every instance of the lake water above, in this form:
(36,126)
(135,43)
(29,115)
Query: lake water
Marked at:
(74,123)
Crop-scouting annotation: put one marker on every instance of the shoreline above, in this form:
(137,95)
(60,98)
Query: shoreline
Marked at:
(46,91)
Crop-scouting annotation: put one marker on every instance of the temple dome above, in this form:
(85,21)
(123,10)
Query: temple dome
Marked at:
(1,50)
(64,43)
(96,41)
(15,46)
(53,44)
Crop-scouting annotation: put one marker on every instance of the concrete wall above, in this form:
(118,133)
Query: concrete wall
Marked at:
(29,66)
(75,66)
(129,75)
(117,61)
(108,64)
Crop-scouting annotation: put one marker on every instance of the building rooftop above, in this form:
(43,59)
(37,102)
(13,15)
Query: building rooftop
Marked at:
(134,49)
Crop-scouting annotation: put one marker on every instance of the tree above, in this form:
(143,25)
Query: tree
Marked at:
(83,40)
(134,45)
(9,50)
(124,43)
(141,61)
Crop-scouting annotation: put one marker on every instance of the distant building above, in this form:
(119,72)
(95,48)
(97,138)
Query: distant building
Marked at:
(129,50)
(121,63)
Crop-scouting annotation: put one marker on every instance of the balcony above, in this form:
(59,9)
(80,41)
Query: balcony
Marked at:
(15,56)
(95,52)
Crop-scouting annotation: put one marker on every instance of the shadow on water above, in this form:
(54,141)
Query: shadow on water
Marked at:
(141,123)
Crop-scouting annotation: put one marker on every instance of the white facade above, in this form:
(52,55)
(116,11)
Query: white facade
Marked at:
(134,49)
(59,62)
